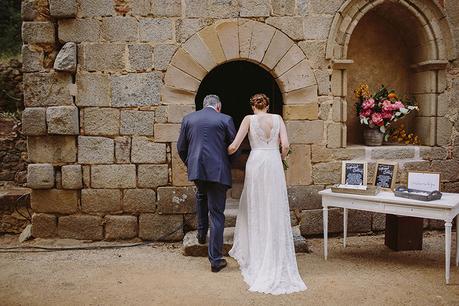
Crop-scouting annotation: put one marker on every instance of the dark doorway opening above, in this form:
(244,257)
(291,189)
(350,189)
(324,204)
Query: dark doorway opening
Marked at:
(235,82)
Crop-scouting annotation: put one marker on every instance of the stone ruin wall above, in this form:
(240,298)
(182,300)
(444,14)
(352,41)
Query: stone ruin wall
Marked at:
(102,125)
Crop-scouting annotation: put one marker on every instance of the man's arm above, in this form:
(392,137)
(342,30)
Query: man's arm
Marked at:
(182,142)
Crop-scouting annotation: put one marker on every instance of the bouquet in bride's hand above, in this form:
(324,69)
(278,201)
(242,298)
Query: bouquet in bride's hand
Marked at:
(284,160)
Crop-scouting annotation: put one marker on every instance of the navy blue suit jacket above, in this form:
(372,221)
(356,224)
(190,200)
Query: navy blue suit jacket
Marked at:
(202,145)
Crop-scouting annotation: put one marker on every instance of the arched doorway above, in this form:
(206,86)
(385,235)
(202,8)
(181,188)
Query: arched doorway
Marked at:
(235,82)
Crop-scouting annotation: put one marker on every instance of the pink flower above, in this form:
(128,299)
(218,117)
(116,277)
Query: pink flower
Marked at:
(365,113)
(369,103)
(398,105)
(377,119)
(386,115)
(386,105)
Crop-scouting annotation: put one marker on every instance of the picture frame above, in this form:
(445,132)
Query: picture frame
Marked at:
(424,180)
(385,175)
(354,173)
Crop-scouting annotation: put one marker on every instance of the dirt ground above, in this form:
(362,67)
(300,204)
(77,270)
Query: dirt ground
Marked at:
(365,273)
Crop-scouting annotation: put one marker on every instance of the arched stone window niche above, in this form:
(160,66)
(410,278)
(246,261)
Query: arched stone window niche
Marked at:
(405,45)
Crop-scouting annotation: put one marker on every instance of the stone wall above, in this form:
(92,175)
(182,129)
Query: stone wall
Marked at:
(107,83)
(13,152)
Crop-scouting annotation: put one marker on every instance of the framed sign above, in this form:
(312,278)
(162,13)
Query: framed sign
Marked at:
(354,173)
(426,181)
(385,174)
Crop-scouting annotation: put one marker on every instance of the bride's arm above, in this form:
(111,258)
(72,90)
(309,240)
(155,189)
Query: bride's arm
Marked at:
(243,130)
(283,139)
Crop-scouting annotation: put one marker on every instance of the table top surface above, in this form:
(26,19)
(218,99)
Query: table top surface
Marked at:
(447,201)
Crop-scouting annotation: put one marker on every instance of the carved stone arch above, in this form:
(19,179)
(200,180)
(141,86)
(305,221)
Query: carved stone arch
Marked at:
(428,36)
(239,39)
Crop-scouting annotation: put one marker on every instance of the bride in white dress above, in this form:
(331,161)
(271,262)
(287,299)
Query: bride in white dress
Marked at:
(263,242)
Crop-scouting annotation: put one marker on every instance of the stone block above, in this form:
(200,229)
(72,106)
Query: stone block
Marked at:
(449,169)
(81,227)
(40,176)
(152,176)
(213,9)
(323,154)
(120,28)
(122,150)
(135,122)
(51,149)
(54,201)
(72,177)
(63,8)
(167,132)
(38,32)
(103,56)
(139,200)
(262,35)
(309,111)
(185,28)
(156,29)
(44,226)
(32,59)
(305,197)
(139,89)
(78,30)
(396,152)
(66,59)
(145,150)
(312,221)
(113,176)
(101,121)
(283,7)
(299,160)
(141,7)
(101,201)
(120,227)
(34,121)
(161,227)
(293,56)
(170,95)
(210,38)
(176,113)
(432,153)
(316,27)
(326,173)
(29,10)
(176,200)
(378,222)
(140,57)
(254,8)
(444,130)
(279,45)
(166,8)
(95,150)
(305,131)
(163,54)
(179,170)
(47,89)
(96,8)
(325,7)
(315,51)
(62,120)
(93,89)
(359,221)
(291,26)
(176,78)
(228,35)
(86,176)
(300,76)
(334,132)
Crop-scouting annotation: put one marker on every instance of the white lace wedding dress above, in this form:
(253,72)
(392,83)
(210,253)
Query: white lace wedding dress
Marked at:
(263,242)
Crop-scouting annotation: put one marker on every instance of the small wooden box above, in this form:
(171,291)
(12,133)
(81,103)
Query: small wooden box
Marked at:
(403,233)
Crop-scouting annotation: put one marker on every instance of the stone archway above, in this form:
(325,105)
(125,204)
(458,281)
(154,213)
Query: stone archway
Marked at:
(434,46)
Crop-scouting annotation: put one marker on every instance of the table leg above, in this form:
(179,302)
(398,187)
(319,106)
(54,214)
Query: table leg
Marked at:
(325,215)
(457,241)
(345,227)
(448,226)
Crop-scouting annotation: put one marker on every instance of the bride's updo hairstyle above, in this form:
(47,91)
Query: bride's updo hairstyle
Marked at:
(259,101)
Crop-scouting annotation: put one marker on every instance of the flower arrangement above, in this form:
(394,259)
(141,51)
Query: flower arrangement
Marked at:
(400,135)
(380,109)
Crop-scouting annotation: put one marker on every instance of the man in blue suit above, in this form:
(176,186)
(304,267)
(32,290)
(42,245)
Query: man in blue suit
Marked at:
(202,145)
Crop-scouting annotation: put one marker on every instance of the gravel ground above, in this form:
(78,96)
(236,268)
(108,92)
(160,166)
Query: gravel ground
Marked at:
(365,273)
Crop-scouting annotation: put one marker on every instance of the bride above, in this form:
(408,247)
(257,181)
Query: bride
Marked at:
(263,241)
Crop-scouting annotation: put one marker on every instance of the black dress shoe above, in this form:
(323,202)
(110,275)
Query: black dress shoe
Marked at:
(220,266)
(201,238)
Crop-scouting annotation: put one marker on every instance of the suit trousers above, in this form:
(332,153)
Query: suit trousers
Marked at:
(210,201)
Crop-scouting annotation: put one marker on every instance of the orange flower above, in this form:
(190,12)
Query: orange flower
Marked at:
(392,95)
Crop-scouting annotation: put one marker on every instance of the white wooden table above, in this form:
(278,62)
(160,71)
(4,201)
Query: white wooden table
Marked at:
(446,209)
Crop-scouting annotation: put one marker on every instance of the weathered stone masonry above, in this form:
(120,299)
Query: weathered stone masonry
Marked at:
(102,117)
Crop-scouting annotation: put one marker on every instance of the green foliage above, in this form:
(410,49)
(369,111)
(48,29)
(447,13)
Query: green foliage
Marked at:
(10,27)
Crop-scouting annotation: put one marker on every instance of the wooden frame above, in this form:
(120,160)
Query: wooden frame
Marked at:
(394,173)
(365,170)
(438,182)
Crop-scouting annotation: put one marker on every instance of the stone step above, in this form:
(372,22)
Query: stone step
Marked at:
(191,247)
(231,209)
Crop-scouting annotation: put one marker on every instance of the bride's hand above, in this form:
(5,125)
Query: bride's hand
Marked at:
(232,149)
